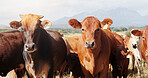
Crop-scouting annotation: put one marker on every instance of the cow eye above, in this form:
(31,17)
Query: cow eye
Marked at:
(23,29)
(82,29)
(97,29)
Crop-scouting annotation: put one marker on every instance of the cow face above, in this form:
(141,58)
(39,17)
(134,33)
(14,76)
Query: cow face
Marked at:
(90,28)
(136,37)
(30,25)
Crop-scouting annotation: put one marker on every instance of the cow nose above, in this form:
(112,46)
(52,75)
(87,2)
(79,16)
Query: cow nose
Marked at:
(29,47)
(89,44)
(134,46)
(139,60)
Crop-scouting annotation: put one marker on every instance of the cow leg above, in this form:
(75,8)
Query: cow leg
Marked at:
(62,69)
(103,74)
(20,72)
(138,69)
(50,72)
(133,62)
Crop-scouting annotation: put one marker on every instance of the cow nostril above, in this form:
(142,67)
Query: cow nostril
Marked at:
(134,46)
(33,46)
(92,44)
(26,46)
(86,43)
(139,60)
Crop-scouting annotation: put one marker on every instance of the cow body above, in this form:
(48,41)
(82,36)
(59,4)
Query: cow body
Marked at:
(95,61)
(94,47)
(118,58)
(11,49)
(44,51)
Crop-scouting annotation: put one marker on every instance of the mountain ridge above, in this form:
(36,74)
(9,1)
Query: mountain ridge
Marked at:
(122,17)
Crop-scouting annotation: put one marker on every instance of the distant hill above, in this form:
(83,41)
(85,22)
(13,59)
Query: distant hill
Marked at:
(121,17)
(4,27)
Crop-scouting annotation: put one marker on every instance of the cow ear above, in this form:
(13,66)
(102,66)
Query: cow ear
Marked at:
(41,16)
(75,23)
(46,24)
(15,24)
(136,32)
(106,23)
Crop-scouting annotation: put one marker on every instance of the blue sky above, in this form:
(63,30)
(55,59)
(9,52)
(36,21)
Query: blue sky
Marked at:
(55,9)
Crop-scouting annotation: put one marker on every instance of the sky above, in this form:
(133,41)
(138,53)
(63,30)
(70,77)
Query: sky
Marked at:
(55,9)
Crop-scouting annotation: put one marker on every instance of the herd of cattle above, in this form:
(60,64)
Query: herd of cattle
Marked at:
(41,53)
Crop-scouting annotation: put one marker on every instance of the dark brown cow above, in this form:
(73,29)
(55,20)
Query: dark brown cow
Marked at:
(94,47)
(118,59)
(44,51)
(73,63)
(11,49)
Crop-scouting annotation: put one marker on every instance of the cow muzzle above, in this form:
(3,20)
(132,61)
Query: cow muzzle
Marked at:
(89,44)
(30,48)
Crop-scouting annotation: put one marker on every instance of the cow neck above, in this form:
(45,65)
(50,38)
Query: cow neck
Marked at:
(89,60)
(43,43)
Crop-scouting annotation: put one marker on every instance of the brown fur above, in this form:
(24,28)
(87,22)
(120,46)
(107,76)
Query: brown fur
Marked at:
(72,57)
(107,21)
(11,48)
(94,60)
(71,43)
(50,53)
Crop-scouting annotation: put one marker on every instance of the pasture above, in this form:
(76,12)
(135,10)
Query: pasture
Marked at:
(73,32)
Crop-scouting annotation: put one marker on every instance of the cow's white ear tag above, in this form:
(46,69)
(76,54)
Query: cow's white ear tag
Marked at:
(105,26)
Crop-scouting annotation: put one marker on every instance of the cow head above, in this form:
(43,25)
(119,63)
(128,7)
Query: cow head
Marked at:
(91,30)
(30,25)
(136,37)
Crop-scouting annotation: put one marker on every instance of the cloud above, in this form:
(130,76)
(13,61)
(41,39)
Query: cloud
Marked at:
(55,9)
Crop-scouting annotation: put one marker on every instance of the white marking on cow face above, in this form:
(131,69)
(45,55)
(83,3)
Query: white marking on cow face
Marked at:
(137,55)
(29,64)
(105,26)
(136,41)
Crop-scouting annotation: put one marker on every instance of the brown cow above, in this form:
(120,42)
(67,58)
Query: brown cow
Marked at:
(118,58)
(11,49)
(94,47)
(71,43)
(44,51)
